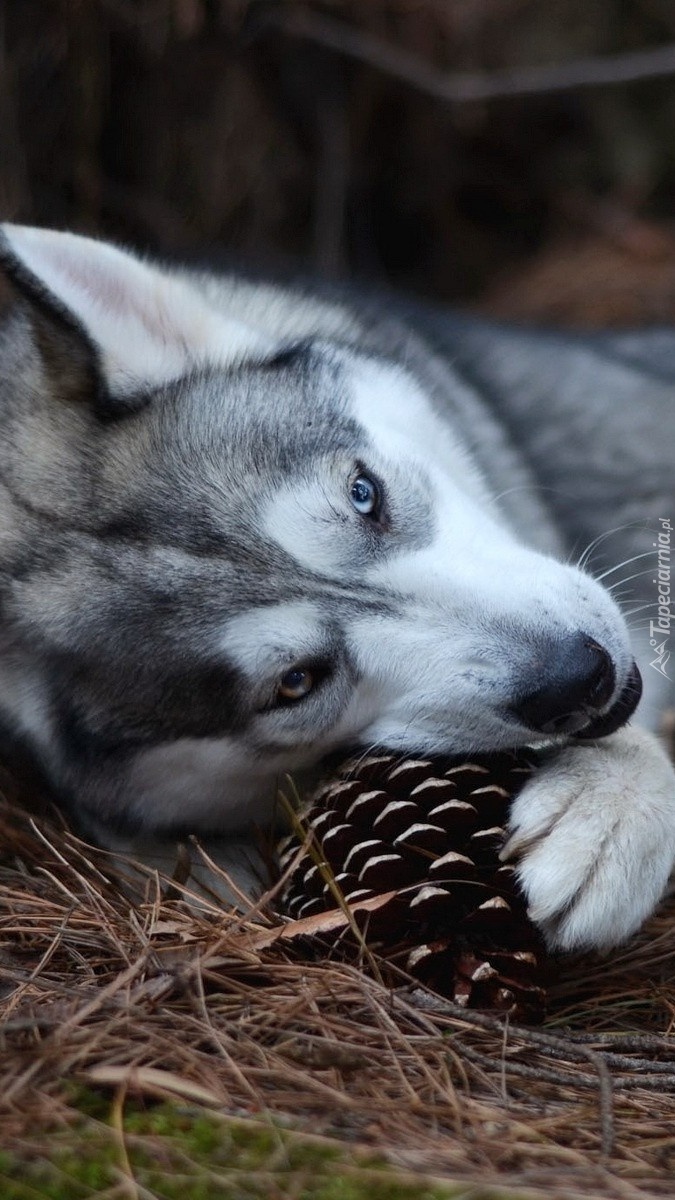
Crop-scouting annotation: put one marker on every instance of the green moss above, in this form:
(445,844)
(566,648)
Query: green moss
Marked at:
(174,1152)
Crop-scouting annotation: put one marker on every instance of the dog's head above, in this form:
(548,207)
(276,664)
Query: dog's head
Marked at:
(223,555)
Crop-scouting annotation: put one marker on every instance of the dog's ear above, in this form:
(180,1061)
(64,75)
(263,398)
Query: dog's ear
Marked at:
(117,324)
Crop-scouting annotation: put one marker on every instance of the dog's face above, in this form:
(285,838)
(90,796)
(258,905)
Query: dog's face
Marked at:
(221,559)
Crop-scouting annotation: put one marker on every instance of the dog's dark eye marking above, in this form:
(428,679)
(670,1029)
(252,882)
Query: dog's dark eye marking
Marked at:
(295,684)
(364,494)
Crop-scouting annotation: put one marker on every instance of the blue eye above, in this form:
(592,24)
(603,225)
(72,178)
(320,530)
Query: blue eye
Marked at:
(364,495)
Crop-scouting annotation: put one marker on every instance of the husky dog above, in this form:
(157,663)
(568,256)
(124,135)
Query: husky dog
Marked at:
(243,526)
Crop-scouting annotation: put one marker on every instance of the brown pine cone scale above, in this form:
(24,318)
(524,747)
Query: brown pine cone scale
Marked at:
(430,831)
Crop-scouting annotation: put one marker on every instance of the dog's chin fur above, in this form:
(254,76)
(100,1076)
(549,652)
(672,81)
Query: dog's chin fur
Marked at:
(182,533)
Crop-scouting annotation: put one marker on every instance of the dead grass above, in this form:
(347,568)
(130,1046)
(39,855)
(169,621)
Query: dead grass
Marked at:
(143,996)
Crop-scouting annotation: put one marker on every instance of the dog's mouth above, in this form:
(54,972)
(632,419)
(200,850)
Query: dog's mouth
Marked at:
(620,712)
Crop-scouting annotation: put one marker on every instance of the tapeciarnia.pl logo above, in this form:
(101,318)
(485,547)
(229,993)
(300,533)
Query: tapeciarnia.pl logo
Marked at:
(659,630)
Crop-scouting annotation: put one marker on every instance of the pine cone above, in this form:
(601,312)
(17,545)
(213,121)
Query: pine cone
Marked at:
(429,831)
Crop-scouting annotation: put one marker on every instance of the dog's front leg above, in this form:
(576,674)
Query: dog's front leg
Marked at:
(593,837)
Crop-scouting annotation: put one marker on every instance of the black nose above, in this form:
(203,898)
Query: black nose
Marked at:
(573,682)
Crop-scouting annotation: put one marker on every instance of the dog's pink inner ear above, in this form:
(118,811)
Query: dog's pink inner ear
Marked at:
(148,326)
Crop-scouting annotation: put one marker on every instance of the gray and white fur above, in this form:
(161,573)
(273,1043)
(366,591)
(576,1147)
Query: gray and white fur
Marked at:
(243,526)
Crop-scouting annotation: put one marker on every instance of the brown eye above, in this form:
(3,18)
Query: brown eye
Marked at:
(295,684)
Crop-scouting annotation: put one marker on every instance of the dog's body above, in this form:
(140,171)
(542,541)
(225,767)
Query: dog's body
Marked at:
(242,527)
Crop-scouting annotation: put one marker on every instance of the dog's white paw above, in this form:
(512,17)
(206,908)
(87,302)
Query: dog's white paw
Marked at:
(593,836)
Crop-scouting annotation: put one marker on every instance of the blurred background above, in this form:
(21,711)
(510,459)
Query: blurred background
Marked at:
(508,155)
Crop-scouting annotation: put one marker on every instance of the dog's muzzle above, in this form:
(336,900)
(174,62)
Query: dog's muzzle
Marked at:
(574,685)
(621,710)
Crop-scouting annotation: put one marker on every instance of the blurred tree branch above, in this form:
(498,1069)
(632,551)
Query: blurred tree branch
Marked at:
(464,87)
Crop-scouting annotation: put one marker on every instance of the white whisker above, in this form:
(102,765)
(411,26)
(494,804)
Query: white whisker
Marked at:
(585,554)
(626,562)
